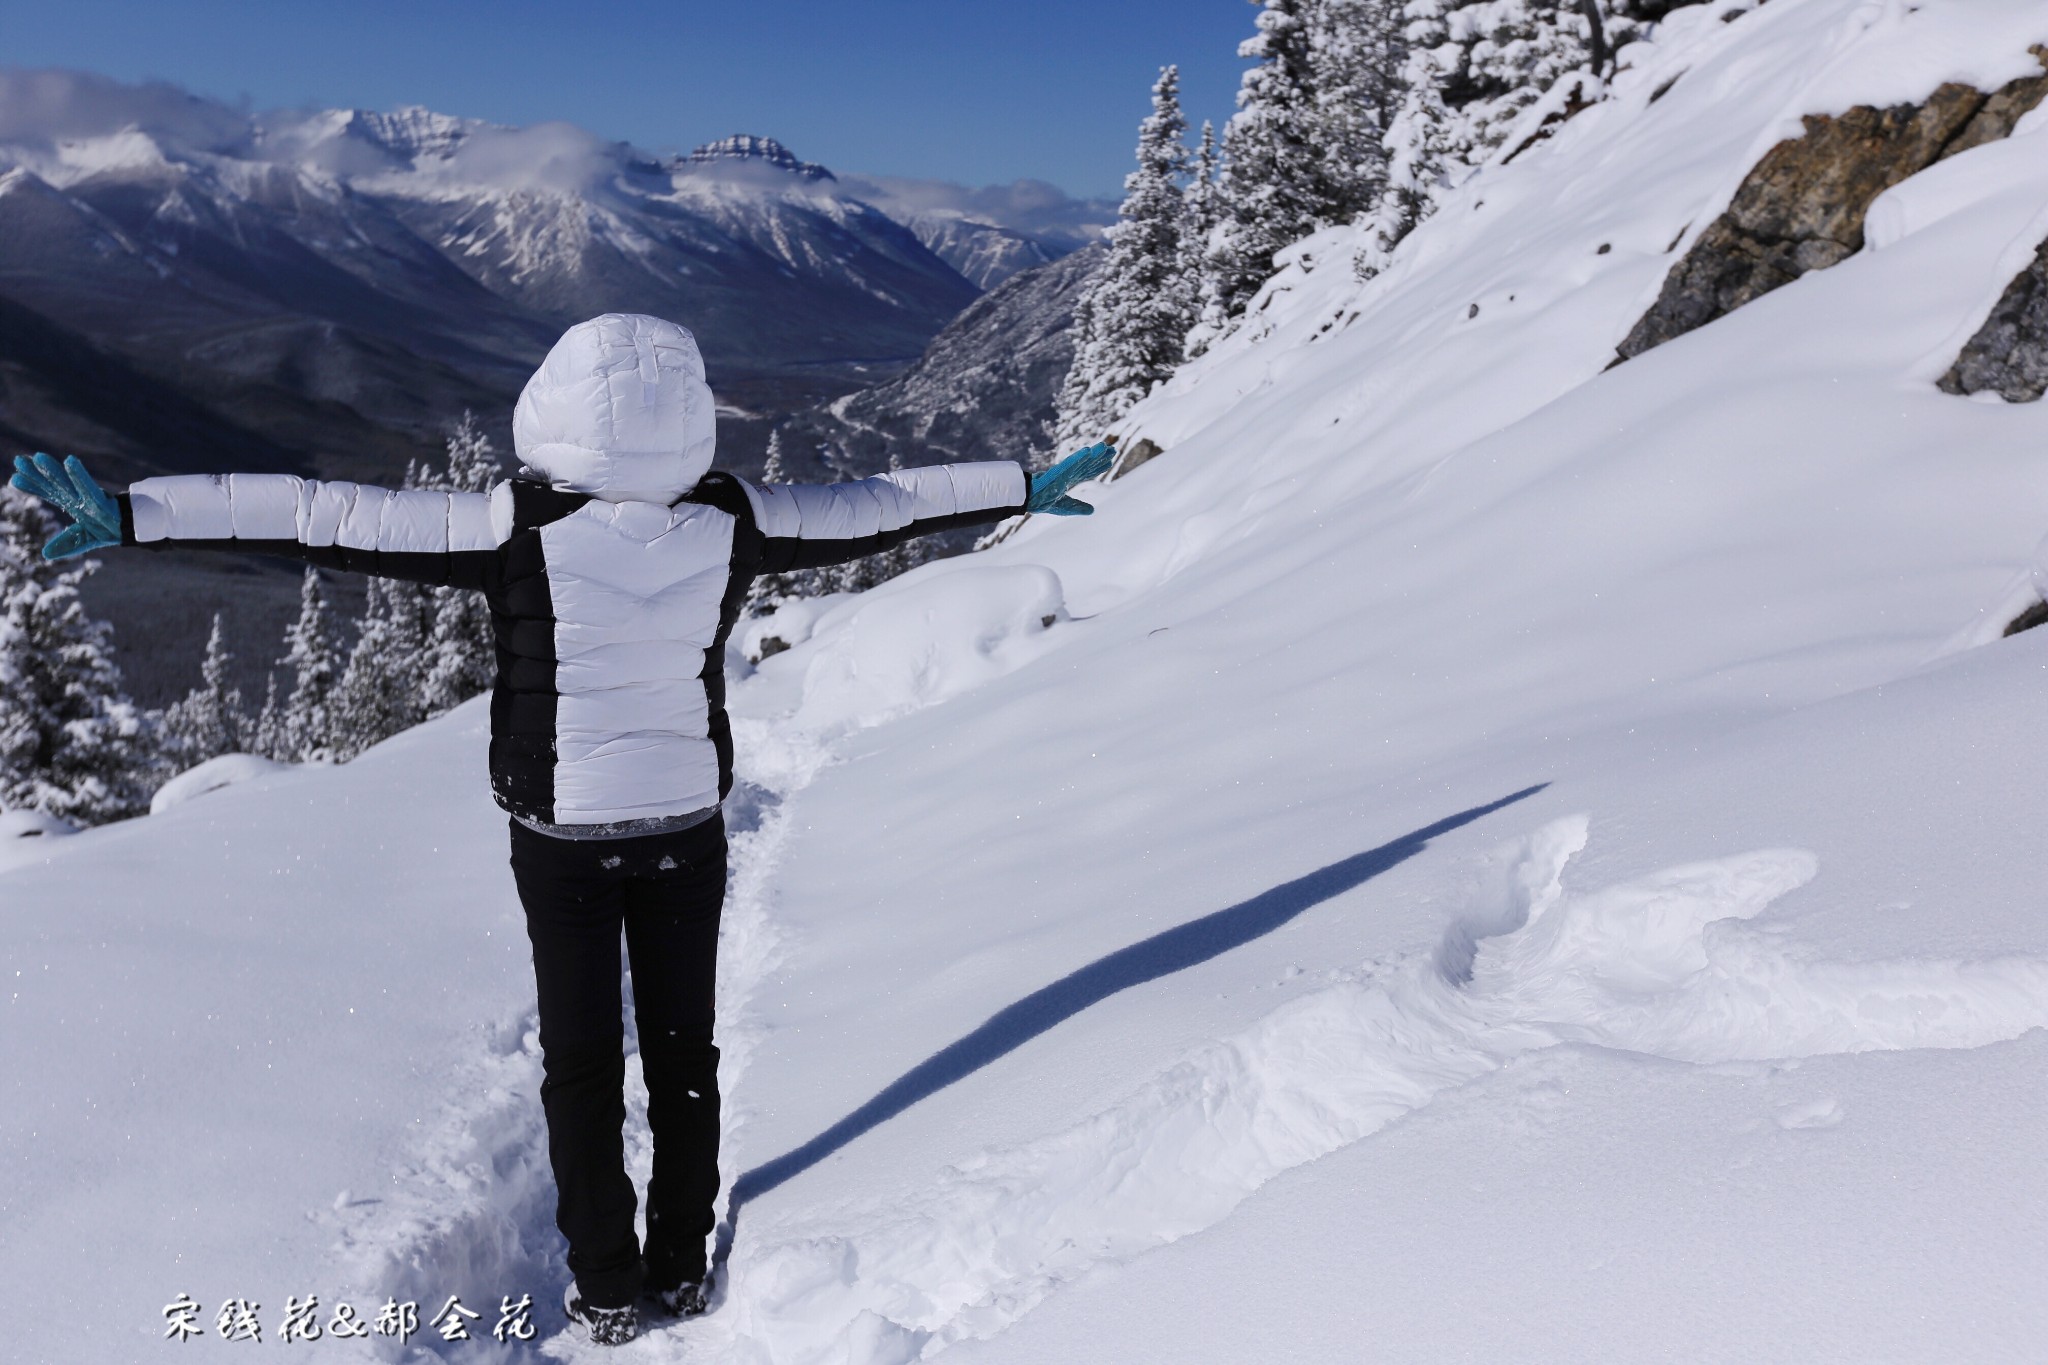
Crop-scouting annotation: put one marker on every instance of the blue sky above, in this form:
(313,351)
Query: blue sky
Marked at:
(977,91)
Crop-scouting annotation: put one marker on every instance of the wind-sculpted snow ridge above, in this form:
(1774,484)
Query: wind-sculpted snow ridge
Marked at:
(1672,965)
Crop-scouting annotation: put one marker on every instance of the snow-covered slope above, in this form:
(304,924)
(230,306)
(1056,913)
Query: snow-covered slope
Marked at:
(239,1026)
(1468,855)
(1411,552)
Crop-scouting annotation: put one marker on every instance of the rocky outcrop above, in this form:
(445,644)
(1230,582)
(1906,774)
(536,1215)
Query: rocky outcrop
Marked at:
(750,149)
(2009,354)
(2036,615)
(1802,207)
(1141,451)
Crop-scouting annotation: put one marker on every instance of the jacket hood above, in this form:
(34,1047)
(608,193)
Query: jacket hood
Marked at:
(620,410)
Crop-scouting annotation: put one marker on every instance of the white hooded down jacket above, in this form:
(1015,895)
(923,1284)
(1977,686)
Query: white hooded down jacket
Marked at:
(612,585)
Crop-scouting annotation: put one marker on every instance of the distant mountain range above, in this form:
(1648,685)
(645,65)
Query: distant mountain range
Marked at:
(983,389)
(185,287)
(188,286)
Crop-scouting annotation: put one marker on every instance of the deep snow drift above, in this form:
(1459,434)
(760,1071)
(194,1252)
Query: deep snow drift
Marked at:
(1467,853)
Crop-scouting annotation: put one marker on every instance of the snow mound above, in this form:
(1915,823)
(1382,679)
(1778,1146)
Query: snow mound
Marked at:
(791,623)
(914,642)
(211,776)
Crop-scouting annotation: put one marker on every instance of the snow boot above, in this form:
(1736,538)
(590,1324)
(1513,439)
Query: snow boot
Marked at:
(685,1300)
(601,1326)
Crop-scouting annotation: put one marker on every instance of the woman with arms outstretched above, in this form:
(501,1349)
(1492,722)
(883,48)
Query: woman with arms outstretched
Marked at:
(614,578)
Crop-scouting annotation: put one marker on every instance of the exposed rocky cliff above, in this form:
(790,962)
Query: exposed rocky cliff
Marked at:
(2009,354)
(1802,208)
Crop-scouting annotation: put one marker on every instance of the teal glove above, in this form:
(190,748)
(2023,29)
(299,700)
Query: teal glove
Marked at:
(96,520)
(1049,487)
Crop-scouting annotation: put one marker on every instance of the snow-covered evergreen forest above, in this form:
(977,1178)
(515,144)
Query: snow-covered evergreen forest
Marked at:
(1357,113)
(1511,834)
(75,750)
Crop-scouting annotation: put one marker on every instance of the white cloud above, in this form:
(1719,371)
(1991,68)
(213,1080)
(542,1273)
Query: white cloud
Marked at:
(552,156)
(39,108)
(1029,206)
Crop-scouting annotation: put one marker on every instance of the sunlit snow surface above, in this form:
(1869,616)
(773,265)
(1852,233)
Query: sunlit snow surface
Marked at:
(1490,859)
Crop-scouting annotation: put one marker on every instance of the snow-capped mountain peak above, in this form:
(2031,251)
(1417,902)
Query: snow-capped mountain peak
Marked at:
(353,142)
(413,131)
(753,150)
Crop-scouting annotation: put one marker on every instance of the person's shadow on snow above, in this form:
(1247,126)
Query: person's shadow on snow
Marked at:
(1171,950)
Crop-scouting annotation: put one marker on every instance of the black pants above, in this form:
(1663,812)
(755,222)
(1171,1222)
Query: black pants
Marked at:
(666,891)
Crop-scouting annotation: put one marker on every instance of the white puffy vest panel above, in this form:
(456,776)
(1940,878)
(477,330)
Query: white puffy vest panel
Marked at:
(636,590)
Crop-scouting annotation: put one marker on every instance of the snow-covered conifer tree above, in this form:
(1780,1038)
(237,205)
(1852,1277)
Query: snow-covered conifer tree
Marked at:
(460,649)
(1471,68)
(774,467)
(1203,207)
(1203,240)
(1305,149)
(472,460)
(266,736)
(1418,153)
(71,742)
(1494,58)
(1520,48)
(1070,404)
(771,588)
(208,722)
(1271,188)
(378,694)
(312,656)
(1131,331)
(1357,52)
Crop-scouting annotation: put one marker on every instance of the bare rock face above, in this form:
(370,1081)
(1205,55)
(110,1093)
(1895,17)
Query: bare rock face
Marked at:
(2009,354)
(1803,205)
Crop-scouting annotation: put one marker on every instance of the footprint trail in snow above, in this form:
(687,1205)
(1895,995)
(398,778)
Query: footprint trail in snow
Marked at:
(1668,965)
(472,1206)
